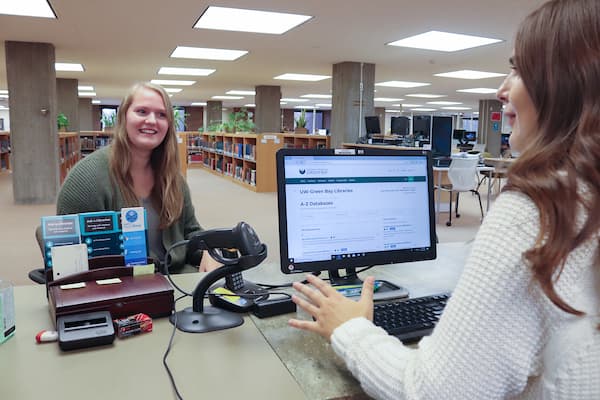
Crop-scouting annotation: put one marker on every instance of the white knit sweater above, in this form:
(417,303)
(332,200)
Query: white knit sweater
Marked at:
(499,337)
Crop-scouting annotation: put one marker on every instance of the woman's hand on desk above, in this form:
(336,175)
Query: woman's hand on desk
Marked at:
(328,307)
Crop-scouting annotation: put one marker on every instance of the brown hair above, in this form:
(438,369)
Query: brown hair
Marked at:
(557,55)
(167,195)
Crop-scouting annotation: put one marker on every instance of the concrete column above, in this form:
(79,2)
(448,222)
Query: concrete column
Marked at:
(267,115)
(67,101)
(489,128)
(32,86)
(214,113)
(380,112)
(353,85)
(86,115)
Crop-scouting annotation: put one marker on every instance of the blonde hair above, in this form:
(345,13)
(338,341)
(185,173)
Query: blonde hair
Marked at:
(167,194)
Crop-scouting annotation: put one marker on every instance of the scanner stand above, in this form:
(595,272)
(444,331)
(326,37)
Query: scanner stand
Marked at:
(386,290)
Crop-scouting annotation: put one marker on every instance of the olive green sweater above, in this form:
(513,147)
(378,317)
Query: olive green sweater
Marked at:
(89,187)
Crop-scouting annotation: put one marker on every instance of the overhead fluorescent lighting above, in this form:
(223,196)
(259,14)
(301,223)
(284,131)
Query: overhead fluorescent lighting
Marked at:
(478,90)
(323,105)
(185,71)
(306,107)
(443,41)
(173,90)
(393,111)
(241,20)
(86,94)
(402,84)
(407,105)
(242,92)
(426,96)
(227,97)
(316,96)
(386,99)
(71,67)
(85,88)
(200,103)
(456,108)
(423,109)
(3,91)
(282,103)
(3,96)
(201,53)
(302,77)
(249,105)
(469,74)
(172,82)
(444,103)
(96,102)
(294,100)
(27,8)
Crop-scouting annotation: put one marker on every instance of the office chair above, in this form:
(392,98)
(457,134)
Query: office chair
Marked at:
(463,178)
(38,275)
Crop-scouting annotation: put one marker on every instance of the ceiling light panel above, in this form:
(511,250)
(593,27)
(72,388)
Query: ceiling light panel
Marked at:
(202,53)
(3,91)
(249,105)
(393,111)
(444,103)
(185,71)
(173,90)
(82,88)
(241,20)
(96,102)
(426,96)
(241,92)
(402,84)
(443,41)
(323,105)
(423,109)
(302,77)
(294,100)
(478,90)
(172,82)
(456,108)
(470,74)
(227,97)
(71,67)
(86,94)
(386,99)
(27,8)
(411,105)
(316,96)
(201,103)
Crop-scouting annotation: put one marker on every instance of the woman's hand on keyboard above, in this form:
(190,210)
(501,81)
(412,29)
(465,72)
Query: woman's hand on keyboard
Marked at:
(328,307)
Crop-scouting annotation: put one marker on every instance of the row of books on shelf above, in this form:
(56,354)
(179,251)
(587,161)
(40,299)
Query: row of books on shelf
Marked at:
(237,171)
(240,150)
(4,145)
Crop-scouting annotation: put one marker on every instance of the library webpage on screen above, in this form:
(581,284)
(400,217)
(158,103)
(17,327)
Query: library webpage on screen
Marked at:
(354,209)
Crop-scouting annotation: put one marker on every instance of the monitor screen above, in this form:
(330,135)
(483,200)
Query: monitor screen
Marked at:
(372,125)
(470,136)
(341,209)
(441,140)
(458,134)
(399,125)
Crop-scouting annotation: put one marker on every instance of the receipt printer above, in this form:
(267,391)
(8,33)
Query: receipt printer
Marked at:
(77,331)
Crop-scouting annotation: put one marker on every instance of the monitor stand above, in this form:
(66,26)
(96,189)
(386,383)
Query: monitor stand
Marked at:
(349,285)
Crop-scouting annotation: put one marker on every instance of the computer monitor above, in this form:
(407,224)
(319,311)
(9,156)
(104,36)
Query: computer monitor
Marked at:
(469,136)
(441,136)
(350,208)
(372,125)
(399,125)
(458,134)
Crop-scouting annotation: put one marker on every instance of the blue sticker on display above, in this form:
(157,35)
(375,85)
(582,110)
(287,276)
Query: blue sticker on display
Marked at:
(495,127)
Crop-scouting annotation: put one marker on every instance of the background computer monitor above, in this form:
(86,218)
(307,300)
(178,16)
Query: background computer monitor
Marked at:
(469,136)
(399,125)
(372,125)
(441,140)
(458,134)
(343,209)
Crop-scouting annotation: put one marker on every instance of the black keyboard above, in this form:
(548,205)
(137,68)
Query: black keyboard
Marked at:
(409,320)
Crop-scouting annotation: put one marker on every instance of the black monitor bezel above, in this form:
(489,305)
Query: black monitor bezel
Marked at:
(379,258)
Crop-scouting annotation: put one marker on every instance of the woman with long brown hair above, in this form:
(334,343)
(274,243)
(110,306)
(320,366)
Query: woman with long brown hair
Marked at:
(523,321)
(139,168)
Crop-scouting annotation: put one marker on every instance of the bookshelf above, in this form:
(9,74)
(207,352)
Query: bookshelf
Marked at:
(93,140)
(4,150)
(69,147)
(247,159)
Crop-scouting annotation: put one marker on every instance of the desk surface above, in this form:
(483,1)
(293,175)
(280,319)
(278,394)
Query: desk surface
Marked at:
(261,359)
